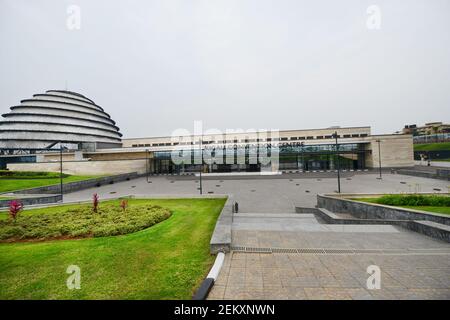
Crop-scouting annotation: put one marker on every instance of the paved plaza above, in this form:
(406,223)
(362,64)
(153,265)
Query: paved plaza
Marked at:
(280,254)
(268,194)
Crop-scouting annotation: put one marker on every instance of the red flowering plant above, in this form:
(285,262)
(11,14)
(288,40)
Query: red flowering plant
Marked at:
(14,207)
(124,204)
(95,202)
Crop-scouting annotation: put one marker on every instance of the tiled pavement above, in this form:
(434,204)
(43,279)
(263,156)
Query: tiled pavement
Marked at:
(307,276)
(412,265)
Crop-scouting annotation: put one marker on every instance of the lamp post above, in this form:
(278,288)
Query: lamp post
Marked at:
(300,145)
(147,169)
(61,169)
(201,164)
(379,157)
(335,135)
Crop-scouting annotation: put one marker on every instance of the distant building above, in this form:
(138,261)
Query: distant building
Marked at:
(429,128)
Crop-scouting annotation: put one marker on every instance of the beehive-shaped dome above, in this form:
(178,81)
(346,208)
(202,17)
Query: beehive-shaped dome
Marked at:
(57,116)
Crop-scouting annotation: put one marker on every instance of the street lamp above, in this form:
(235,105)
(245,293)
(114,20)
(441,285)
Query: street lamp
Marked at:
(201,165)
(61,169)
(335,135)
(147,167)
(300,150)
(379,157)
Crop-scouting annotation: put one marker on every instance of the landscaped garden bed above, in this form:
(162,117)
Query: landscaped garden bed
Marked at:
(165,261)
(108,219)
(430,203)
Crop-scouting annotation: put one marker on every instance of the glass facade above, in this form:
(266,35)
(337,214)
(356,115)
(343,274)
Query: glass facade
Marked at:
(254,158)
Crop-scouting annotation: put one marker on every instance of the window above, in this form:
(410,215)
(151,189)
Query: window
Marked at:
(301,138)
(346,136)
(294,138)
(284,139)
(309,138)
(355,135)
(134,145)
(363,135)
(319,137)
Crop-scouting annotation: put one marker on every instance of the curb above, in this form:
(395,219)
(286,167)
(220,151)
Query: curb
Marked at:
(208,283)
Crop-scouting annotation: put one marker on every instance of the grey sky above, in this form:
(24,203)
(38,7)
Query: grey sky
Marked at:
(159,65)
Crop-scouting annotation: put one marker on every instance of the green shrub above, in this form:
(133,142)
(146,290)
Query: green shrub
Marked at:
(414,200)
(7,174)
(80,221)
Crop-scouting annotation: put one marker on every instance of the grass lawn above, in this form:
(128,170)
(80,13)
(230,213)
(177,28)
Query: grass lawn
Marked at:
(444,210)
(432,146)
(165,261)
(7,185)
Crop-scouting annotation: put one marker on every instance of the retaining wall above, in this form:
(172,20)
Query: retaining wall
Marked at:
(363,210)
(28,201)
(78,185)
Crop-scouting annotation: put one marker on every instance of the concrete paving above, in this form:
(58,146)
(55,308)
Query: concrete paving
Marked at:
(266,195)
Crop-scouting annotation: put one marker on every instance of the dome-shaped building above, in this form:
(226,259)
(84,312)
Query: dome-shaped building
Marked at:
(58,116)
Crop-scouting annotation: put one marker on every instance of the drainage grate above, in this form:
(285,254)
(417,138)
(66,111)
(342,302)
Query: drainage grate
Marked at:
(339,251)
(322,251)
(282,250)
(310,250)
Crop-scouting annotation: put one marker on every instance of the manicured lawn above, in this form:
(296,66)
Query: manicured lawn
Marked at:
(7,185)
(165,261)
(444,210)
(432,146)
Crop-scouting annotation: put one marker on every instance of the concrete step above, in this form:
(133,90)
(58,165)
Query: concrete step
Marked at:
(432,229)
(338,218)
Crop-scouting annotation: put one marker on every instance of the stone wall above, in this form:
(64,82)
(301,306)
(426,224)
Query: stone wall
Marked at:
(396,151)
(85,167)
(363,210)
(28,201)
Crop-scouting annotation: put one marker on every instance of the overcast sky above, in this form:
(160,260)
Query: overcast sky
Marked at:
(156,66)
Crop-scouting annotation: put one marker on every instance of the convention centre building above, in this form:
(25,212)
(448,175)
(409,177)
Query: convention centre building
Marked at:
(63,125)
